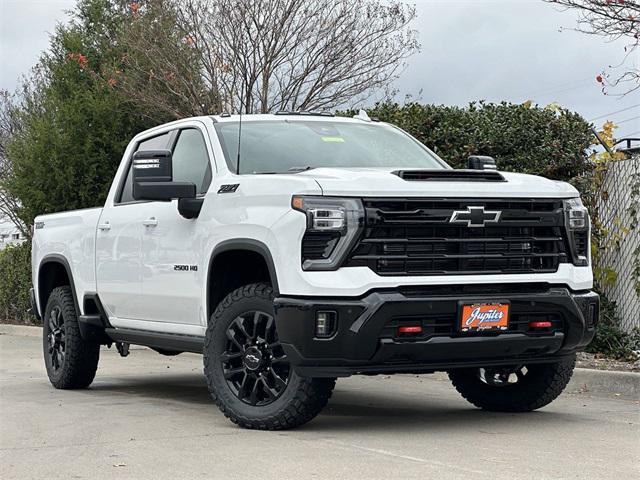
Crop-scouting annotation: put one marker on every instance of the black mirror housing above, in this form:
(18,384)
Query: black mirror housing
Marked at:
(153,178)
(481,162)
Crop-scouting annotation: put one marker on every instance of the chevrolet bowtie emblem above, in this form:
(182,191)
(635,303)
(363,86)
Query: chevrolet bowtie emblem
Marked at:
(475,216)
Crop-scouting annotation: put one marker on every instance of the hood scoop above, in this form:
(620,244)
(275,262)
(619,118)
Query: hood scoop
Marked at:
(442,175)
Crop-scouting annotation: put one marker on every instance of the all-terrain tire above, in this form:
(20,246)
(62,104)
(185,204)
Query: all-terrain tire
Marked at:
(77,362)
(539,386)
(300,401)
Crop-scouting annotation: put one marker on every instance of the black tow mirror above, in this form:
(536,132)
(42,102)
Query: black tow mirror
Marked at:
(481,162)
(153,178)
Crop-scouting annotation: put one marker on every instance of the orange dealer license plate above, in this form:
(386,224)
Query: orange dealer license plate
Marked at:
(480,317)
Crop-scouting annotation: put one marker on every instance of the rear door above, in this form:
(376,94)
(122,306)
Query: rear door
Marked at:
(119,266)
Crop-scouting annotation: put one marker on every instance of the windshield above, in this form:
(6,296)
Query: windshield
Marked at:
(289,146)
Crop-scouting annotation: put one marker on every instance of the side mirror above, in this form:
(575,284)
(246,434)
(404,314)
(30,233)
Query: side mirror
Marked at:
(153,178)
(481,162)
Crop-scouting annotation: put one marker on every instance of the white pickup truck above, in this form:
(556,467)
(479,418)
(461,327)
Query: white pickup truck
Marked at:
(295,248)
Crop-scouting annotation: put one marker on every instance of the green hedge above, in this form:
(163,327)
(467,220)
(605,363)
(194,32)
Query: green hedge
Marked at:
(551,141)
(15,282)
(610,339)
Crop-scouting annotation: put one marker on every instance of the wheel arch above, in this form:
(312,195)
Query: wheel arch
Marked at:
(54,271)
(249,247)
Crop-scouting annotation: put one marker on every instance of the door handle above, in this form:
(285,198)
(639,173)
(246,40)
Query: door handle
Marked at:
(151,222)
(104,226)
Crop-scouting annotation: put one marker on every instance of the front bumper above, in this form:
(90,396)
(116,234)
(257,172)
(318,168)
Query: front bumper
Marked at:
(365,340)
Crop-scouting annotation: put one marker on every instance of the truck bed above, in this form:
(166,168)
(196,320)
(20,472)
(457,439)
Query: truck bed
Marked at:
(70,236)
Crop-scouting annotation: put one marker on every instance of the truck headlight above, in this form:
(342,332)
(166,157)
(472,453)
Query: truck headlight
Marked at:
(333,226)
(578,225)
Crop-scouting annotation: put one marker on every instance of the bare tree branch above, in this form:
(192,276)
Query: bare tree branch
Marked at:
(206,56)
(10,125)
(613,19)
(159,73)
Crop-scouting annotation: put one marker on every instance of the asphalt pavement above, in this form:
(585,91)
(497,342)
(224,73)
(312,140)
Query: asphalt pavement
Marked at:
(149,416)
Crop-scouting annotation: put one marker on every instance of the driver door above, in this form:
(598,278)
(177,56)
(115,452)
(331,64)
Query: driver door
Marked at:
(171,255)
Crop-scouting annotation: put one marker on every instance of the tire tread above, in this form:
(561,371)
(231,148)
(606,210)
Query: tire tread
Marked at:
(549,382)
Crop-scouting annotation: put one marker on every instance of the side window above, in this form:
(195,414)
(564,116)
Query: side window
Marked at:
(159,142)
(191,161)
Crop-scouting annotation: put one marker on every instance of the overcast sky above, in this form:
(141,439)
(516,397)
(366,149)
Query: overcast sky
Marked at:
(471,49)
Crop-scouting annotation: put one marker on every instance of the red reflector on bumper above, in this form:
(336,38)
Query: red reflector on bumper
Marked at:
(544,324)
(409,329)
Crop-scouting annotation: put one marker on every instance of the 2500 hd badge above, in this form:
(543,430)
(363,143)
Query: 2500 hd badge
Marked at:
(185,268)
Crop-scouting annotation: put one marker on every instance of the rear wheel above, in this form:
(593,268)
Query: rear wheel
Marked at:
(71,362)
(248,373)
(521,388)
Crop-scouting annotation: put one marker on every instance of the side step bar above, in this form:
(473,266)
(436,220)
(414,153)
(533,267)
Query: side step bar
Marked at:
(164,341)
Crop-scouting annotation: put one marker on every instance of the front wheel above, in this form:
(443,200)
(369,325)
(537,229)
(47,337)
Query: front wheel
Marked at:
(248,373)
(521,388)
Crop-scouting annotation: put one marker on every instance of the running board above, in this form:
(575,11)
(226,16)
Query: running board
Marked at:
(164,341)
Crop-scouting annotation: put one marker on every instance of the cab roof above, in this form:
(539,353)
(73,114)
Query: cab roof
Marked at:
(261,117)
(279,116)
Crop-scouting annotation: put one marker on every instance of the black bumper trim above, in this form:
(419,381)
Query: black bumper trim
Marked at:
(359,346)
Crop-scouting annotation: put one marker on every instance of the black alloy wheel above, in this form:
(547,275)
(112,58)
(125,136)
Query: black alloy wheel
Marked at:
(502,376)
(71,361)
(248,373)
(56,338)
(254,363)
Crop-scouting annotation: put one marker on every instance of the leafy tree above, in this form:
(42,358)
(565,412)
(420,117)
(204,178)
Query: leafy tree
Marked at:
(74,127)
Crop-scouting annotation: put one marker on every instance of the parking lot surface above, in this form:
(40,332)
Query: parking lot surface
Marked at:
(149,416)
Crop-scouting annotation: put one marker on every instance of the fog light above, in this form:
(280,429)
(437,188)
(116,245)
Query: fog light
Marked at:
(326,324)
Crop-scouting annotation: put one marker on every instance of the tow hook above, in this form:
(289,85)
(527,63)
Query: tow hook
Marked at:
(123,348)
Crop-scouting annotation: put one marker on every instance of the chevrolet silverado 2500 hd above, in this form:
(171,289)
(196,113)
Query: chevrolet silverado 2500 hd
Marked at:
(292,249)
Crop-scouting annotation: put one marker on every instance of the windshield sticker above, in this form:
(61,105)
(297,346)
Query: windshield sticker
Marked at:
(333,139)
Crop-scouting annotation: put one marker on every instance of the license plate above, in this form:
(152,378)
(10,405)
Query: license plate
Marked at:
(480,317)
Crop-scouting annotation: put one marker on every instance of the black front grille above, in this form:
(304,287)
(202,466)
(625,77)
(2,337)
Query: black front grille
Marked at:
(416,237)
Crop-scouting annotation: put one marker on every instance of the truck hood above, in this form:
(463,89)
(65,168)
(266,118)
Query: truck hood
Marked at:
(382,182)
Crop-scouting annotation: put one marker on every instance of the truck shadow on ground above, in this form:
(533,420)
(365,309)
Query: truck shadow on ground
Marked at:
(348,409)
(394,411)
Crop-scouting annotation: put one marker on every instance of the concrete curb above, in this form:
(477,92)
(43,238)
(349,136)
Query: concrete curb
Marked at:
(610,382)
(584,380)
